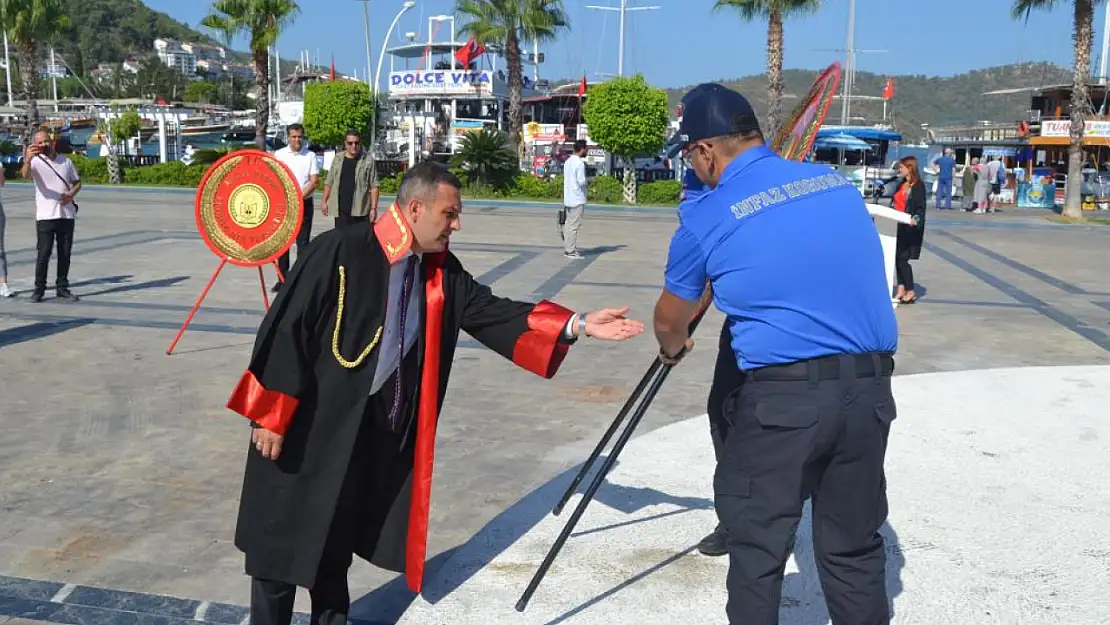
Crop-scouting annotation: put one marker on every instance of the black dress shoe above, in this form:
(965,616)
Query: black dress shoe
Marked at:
(715,544)
(37,296)
(67,295)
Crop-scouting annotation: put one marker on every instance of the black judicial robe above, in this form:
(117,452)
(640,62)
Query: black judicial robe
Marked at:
(309,377)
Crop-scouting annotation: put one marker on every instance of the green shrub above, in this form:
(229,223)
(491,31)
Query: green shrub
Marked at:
(174,173)
(390,185)
(660,192)
(604,189)
(532,187)
(94,170)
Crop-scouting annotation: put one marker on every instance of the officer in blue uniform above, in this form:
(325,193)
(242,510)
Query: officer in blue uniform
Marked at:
(726,373)
(793,260)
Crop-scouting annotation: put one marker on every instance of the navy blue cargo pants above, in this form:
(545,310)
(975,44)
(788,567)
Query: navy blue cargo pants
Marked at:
(816,429)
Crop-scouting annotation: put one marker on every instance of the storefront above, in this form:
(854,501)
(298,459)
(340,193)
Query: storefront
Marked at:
(1050,161)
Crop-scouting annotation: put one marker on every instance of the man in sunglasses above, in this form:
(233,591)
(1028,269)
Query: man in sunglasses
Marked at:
(351,190)
(793,260)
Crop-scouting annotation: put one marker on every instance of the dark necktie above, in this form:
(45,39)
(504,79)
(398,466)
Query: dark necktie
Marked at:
(406,293)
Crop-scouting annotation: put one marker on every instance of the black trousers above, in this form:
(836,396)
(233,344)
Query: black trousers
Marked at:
(727,376)
(304,235)
(904,272)
(378,469)
(343,220)
(49,231)
(822,435)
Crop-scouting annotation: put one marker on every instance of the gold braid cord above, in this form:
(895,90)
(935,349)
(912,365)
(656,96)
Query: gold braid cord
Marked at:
(339,322)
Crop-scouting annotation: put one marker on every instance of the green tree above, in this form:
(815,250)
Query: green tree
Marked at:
(774,11)
(502,25)
(117,130)
(31,23)
(200,91)
(1083,26)
(155,80)
(334,107)
(262,21)
(485,157)
(629,118)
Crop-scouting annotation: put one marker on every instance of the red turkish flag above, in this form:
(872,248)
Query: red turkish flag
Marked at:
(582,86)
(888,90)
(469,52)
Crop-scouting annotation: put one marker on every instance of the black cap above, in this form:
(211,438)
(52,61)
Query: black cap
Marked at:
(711,110)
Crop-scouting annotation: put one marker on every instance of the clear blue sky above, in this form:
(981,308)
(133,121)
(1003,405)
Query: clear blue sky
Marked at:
(685,42)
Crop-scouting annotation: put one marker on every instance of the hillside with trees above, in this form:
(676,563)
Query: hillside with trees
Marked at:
(105,31)
(918,99)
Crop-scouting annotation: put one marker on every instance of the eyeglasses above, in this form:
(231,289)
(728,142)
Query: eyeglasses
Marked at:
(688,152)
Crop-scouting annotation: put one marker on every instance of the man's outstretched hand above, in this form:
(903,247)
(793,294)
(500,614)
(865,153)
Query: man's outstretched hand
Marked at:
(610,324)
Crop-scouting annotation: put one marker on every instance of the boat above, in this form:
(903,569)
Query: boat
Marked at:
(238,135)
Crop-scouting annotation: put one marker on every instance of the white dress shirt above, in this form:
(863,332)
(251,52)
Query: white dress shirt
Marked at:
(302,163)
(574,181)
(389,356)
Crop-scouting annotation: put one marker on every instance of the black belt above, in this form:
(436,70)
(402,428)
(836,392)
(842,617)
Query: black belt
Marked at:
(827,368)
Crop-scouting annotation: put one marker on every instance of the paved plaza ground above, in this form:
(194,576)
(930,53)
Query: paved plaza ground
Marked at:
(120,468)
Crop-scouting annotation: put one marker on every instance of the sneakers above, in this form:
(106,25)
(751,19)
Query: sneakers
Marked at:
(715,544)
(575,255)
(66,294)
(5,291)
(62,294)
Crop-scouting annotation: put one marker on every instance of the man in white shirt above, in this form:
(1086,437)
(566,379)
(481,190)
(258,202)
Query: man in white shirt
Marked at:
(56,185)
(574,198)
(302,162)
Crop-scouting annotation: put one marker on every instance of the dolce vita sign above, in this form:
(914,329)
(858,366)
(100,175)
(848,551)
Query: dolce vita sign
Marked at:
(437,83)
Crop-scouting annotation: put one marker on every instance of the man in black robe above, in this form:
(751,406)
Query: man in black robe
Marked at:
(344,387)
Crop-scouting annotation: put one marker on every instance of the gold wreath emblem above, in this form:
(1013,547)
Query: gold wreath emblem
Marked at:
(249,206)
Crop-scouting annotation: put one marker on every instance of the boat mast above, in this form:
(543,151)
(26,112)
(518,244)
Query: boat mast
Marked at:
(849,65)
(623,8)
(1105,46)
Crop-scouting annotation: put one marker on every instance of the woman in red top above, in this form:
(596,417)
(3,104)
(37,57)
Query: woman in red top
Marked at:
(910,198)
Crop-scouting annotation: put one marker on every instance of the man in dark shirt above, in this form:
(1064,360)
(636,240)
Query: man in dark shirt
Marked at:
(351,190)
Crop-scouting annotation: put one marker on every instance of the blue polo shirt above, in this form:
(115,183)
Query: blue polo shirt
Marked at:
(692,186)
(945,165)
(793,258)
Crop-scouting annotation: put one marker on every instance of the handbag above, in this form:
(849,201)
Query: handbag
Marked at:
(64,181)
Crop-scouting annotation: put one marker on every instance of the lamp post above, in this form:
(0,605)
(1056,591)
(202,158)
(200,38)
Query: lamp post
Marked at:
(378,75)
(366,19)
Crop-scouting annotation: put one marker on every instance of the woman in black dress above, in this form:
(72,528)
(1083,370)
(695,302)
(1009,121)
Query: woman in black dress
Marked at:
(910,198)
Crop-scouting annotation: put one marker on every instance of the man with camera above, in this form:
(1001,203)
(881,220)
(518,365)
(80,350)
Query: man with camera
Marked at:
(56,186)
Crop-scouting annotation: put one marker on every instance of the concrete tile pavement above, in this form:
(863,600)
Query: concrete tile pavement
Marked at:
(123,467)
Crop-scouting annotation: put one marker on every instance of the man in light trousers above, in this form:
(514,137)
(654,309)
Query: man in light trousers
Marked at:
(574,198)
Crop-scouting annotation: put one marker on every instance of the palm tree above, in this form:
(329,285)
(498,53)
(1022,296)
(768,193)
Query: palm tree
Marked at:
(504,24)
(31,23)
(774,11)
(1084,18)
(262,21)
(484,157)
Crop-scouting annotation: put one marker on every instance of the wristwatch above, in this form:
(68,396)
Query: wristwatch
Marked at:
(581,325)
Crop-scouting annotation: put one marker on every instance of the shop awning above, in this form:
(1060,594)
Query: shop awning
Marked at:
(1099,142)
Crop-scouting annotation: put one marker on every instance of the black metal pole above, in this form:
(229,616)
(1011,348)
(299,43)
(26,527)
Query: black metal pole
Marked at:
(598,479)
(655,364)
(637,416)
